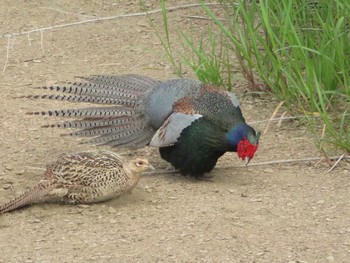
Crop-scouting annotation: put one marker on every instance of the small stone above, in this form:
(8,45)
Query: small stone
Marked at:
(7,186)
(147,188)
(8,167)
(330,258)
(112,210)
(143,23)
(83,206)
(341,231)
(258,199)
(320,202)
(20,172)
(113,221)
(184,234)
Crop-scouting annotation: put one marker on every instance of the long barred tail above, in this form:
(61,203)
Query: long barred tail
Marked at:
(31,196)
(121,123)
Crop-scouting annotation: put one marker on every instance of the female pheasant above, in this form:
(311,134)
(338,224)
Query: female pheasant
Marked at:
(82,178)
(192,123)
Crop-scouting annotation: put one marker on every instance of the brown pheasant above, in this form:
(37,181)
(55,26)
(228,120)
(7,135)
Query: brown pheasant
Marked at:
(82,178)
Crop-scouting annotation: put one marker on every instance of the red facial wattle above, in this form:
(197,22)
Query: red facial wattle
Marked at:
(246,149)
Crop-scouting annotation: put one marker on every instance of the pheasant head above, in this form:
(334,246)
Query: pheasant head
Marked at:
(139,165)
(244,140)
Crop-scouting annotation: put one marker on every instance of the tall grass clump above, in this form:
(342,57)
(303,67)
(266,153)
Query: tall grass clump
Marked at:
(299,50)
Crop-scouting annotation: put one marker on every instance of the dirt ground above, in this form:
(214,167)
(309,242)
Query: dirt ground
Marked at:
(272,213)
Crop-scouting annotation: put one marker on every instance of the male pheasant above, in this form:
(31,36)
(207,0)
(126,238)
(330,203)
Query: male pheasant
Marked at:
(83,178)
(191,123)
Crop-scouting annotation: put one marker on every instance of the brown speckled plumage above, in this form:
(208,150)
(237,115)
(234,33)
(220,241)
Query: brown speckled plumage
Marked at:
(82,178)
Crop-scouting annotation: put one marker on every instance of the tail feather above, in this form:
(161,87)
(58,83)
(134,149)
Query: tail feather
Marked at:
(105,139)
(98,131)
(93,112)
(138,140)
(32,195)
(83,98)
(130,81)
(124,123)
(92,89)
(91,123)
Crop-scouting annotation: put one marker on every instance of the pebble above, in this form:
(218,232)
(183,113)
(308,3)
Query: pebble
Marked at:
(268,170)
(8,167)
(7,186)
(143,24)
(320,202)
(83,206)
(147,188)
(184,234)
(330,258)
(258,199)
(112,210)
(20,172)
(113,221)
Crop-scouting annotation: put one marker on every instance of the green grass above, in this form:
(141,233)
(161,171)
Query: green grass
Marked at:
(296,49)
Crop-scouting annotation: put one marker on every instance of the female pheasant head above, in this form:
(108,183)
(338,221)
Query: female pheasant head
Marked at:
(244,140)
(139,165)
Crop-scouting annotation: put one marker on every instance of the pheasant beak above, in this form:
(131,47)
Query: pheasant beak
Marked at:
(150,168)
(247,160)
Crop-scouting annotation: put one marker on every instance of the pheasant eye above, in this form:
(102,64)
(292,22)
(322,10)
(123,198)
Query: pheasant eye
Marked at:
(140,163)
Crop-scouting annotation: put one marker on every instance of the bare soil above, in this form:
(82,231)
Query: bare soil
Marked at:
(273,213)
